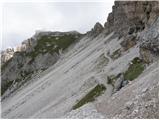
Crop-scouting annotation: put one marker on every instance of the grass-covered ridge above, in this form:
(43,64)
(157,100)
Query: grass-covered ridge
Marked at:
(95,92)
(135,69)
(52,44)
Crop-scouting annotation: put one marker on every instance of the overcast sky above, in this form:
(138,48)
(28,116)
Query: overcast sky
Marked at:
(21,20)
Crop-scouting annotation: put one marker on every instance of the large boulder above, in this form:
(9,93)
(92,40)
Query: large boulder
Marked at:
(118,82)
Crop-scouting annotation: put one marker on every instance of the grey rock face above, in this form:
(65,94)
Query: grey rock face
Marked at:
(149,38)
(97,29)
(124,83)
(118,83)
(131,16)
(6,55)
(129,41)
(45,61)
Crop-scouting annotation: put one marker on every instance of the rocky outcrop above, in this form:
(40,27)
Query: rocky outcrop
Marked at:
(6,55)
(97,29)
(26,46)
(129,41)
(128,17)
(149,42)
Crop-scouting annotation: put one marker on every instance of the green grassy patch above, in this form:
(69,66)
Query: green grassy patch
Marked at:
(51,44)
(95,92)
(134,70)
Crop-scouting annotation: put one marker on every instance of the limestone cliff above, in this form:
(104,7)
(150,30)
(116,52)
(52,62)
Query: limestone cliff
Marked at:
(128,17)
(137,22)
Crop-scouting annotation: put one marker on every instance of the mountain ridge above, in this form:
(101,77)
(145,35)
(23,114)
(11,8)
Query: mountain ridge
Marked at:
(109,72)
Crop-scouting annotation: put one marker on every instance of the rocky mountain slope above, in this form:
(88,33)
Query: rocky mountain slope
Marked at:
(33,56)
(109,72)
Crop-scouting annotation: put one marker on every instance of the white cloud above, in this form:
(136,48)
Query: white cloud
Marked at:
(21,20)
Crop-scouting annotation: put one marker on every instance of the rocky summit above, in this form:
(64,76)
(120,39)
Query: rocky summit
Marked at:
(112,71)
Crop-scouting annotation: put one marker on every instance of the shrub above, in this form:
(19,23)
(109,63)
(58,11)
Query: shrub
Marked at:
(95,92)
(134,70)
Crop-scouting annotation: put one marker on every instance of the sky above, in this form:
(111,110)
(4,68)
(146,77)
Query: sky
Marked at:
(20,20)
